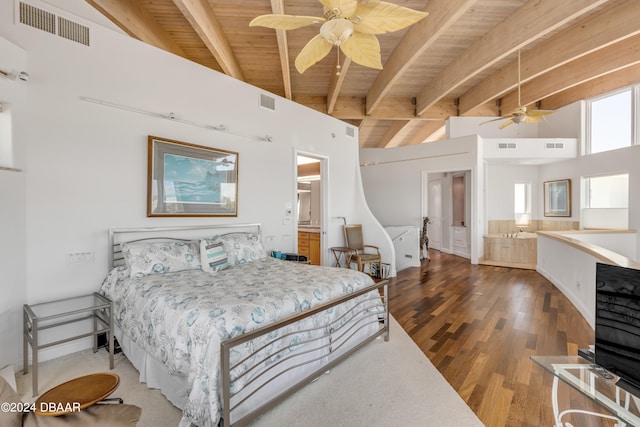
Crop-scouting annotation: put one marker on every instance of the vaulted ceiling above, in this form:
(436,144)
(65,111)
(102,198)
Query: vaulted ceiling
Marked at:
(461,60)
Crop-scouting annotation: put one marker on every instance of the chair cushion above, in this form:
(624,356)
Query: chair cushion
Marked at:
(100,415)
(368,257)
(8,416)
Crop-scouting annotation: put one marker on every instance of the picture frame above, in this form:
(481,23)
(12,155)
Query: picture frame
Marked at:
(188,180)
(557,198)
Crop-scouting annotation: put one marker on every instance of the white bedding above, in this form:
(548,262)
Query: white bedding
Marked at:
(181,318)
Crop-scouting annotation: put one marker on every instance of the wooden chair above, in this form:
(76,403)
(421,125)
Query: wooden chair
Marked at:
(355,241)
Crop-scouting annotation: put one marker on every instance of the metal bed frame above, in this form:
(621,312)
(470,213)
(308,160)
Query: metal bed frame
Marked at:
(338,339)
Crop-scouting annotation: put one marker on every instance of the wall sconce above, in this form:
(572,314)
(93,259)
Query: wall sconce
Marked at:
(13,75)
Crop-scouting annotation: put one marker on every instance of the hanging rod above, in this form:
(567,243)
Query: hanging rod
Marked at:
(411,160)
(174,118)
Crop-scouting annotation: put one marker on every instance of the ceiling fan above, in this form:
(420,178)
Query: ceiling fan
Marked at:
(521,114)
(349,24)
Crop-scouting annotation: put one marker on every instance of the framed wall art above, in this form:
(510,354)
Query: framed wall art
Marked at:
(190,180)
(557,198)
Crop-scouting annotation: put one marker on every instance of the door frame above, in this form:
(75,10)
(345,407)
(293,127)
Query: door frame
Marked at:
(324,199)
(425,202)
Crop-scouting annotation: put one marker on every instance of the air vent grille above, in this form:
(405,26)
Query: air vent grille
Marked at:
(555,145)
(507,145)
(351,132)
(267,102)
(49,22)
(73,31)
(37,18)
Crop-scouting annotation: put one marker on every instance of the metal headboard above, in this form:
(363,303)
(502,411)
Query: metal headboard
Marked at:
(180,233)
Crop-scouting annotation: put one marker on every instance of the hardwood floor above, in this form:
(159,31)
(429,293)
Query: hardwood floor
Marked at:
(479,324)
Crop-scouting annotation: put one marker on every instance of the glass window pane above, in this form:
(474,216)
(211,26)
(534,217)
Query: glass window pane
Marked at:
(611,122)
(610,191)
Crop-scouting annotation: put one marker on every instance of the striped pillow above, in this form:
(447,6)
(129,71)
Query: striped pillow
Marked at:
(213,257)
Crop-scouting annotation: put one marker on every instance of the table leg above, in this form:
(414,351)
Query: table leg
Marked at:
(25,344)
(34,357)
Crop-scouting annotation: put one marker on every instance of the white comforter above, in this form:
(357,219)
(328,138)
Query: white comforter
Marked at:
(181,318)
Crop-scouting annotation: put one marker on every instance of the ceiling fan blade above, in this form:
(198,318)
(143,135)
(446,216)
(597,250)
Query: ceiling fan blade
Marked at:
(346,7)
(534,119)
(494,120)
(507,123)
(316,49)
(539,113)
(363,49)
(377,17)
(285,22)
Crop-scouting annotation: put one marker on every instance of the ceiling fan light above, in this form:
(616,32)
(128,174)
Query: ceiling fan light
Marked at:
(337,31)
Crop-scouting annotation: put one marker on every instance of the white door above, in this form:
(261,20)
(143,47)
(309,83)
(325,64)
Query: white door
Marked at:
(435,213)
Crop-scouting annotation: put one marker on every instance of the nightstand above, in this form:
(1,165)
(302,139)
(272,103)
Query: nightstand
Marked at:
(37,317)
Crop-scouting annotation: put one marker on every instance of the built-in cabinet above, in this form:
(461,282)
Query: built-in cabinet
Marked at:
(309,246)
(519,252)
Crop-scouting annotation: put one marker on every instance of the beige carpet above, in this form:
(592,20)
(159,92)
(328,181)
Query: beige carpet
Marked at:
(384,384)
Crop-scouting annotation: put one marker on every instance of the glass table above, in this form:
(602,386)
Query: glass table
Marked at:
(38,317)
(589,379)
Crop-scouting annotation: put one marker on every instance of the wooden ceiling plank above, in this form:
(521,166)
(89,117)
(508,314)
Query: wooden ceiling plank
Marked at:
(604,28)
(599,86)
(531,21)
(604,61)
(277,7)
(335,85)
(205,23)
(417,39)
(137,23)
(365,132)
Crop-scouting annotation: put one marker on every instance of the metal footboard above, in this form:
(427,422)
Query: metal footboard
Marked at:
(327,343)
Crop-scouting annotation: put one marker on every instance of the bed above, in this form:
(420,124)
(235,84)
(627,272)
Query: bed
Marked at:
(226,344)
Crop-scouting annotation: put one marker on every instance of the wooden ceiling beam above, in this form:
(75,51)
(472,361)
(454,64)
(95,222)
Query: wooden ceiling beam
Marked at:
(335,85)
(531,21)
(137,23)
(599,86)
(613,24)
(429,131)
(418,38)
(277,7)
(352,108)
(602,62)
(205,23)
(395,133)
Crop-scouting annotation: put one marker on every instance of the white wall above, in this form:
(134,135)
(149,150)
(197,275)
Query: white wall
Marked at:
(86,164)
(13,96)
(500,189)
(623,160)
(393,181)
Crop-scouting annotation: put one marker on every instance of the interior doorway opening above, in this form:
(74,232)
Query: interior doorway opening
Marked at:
(311,206)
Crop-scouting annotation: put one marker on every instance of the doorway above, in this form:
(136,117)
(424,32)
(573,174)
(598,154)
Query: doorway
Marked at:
(434,212)
(311,206)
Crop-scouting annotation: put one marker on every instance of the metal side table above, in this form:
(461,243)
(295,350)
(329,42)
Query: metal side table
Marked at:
(37,317)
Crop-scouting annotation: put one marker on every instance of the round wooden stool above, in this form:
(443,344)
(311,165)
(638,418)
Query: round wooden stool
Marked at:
(77,394)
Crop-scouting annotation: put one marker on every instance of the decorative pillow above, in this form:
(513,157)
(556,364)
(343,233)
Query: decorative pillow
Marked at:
(213,257)
(9,418)
(144,258)
(243,248)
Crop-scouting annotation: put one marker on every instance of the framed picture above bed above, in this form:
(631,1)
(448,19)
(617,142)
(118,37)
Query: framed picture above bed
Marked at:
(190,180)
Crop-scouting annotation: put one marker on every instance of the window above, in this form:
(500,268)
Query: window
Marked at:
(522,203)
(607,192)
(606,202)
(611,121)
